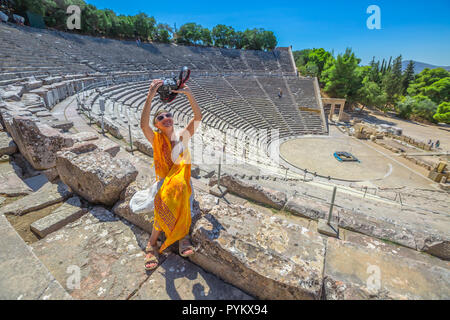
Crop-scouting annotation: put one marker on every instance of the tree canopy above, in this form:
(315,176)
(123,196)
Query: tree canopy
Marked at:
(381,84)
(106,23)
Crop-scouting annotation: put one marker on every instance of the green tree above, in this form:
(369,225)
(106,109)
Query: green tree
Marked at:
(223,36)
(35,6)
(426,78)
(341,78)
(439,91)
(408,76)
(238,40)
(417,108)
(253,39)
(104,23)
(144,25)
(162,33)
(311,62)
(206,37)
(433,83)
(89,20)
(424,108)
(269,40)
(126,26)
(392,82)
(371,94)
(443,113)
(189,33)
(375,72)
(405,107)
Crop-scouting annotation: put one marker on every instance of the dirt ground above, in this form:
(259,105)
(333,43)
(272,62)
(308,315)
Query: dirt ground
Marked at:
(22,223)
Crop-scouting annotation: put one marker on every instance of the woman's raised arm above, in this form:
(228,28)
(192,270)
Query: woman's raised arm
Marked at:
(195,122)
(145,117)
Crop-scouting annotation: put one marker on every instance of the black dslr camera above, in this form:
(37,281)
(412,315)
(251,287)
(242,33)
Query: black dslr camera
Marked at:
(165,91)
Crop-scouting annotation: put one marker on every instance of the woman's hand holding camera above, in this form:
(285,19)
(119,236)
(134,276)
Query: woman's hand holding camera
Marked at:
(184,90)
(155,85)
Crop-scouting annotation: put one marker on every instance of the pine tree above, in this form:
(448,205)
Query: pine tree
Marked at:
(408,76)
(392,81)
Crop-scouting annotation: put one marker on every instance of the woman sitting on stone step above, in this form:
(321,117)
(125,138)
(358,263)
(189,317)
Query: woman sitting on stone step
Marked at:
(173,200)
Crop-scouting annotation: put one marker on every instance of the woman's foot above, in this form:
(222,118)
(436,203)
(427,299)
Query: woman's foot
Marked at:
(151,258)
(185,247)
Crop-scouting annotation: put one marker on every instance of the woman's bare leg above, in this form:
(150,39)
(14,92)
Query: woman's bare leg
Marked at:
(154,236)
(152,245)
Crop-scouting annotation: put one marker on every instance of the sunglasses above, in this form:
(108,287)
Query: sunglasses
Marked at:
(162,116)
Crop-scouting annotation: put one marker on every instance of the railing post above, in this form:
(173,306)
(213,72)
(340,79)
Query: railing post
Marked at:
(332,204)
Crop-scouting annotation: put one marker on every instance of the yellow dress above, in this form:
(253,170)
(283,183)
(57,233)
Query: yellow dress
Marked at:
(172,213)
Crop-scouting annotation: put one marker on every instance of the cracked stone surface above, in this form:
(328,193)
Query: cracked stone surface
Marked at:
(37,142)
(428,232)
(70,211)
(271,197)
(372,269)
(46,196)
(11,185)
(34,280)
(266,256)
(108,252)
(178,279)
(7,145)
(94,174)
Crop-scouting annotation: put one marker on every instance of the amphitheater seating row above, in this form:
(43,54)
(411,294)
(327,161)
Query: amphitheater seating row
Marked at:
(64,53)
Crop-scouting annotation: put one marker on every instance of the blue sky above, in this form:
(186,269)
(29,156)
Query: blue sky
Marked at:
(419,30)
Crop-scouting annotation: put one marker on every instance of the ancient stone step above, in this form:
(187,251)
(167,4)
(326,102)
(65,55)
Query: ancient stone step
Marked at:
(108,252)
(405,226)
(264,195)
(369,271)
(23,276)
(144,146)
(179,279)
(61,124)
(84,136)
(70,211)
(265,256)
(48,195)
(10,183)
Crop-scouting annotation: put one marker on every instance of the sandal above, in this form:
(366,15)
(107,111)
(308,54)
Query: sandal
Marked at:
(149,247)
(185,245)
(151,258)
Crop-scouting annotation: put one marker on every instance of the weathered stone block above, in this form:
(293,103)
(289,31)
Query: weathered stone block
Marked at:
(11,184)
(109,252)
(48,195)
(70,211)
(177,278)
(144,146)
(272,198)
(353,271)
(94,174)
(7,145)
(265,256)
(24,276)
(84,136)
(122,208)
(38,143)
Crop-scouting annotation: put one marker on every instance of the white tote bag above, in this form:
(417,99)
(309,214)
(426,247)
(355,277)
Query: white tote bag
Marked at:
(142,201)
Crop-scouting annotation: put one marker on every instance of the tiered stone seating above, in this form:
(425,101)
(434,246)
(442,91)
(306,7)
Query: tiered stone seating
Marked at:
(237,89)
